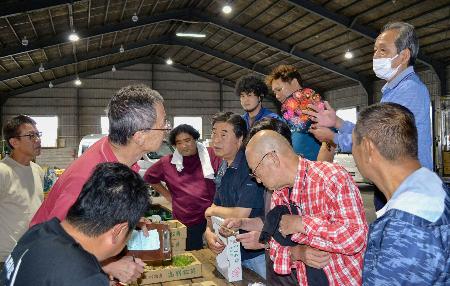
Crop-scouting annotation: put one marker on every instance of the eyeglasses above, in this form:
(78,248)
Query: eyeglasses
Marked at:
(253,174)
(167,127)
(33,136)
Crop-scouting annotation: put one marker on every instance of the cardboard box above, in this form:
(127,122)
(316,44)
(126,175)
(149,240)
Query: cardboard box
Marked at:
(177,229)
(228,262)
(170,273)
(204,283)
(178,235)
(178,245)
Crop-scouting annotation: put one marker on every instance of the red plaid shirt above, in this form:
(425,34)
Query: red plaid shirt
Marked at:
(334,220)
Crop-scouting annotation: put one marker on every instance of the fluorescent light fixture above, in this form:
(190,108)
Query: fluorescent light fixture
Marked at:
(73,37)
(169,61)
(191,35)
(77,82)
(227,9)
(348,55)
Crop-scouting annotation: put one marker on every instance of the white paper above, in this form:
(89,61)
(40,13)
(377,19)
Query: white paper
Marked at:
(140,242)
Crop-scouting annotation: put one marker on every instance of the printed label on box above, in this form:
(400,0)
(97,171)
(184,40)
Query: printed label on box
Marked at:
(229,260)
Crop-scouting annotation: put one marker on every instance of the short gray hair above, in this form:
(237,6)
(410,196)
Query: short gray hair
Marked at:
(391,127)
(131,109)
(406,39)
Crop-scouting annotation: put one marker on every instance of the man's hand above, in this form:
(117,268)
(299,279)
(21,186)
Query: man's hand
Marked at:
(214,242)
(142,224)
(323,118)
(233,223)
(250,240)
(290,224)
(323,134)
(125,269)
(310,256)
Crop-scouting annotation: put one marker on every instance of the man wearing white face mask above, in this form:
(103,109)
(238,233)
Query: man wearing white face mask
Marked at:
(395,53)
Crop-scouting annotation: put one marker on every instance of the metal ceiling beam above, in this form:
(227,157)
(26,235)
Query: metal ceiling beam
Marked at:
(27,6)
(159,60)
(222,56)
(190,15)
(147,59)
(164,40)
(93,32)
(283,47)
(367,32)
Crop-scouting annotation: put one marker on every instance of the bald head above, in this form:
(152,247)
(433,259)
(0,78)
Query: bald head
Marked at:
(271,159)
(265,141)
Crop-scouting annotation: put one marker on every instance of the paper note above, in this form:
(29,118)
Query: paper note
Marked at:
(140,242)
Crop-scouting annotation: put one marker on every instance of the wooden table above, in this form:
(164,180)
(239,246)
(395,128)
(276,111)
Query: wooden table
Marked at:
(210,273)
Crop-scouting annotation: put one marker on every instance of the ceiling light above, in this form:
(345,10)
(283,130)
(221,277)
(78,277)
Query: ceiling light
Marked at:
(135,18)
(41,68)
(24,41)
(192,35)
(50,85)
(77,82)
(121,49)
(73,37)
(227,9)
(348,54)
(113,68)
(169,61)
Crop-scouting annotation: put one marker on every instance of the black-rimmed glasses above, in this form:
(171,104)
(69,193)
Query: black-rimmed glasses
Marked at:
(33,136)
(253,174)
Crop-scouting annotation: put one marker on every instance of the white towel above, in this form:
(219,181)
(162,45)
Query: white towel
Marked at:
(208,171)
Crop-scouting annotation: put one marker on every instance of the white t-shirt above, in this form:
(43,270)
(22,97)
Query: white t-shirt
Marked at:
(21,194)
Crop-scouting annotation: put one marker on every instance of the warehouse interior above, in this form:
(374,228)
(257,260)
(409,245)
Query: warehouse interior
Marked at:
(121,42)
(62,61)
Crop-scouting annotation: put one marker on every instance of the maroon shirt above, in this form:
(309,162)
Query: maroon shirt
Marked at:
(191,193)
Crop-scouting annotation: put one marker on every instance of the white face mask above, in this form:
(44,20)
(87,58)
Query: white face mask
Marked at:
(382,68)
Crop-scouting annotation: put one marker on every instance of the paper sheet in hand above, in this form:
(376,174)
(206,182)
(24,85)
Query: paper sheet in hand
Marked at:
(140,242)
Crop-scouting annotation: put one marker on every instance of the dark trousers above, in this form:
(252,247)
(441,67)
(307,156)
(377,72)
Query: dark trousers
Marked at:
(194,240)
(273,278)
(315,277)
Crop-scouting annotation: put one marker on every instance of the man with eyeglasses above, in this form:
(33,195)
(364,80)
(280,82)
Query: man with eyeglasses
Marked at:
(325,211)
(137,125)
(237,194)
(21,181)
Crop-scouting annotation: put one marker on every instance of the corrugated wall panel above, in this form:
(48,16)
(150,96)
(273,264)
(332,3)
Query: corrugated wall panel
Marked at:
(79,109)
